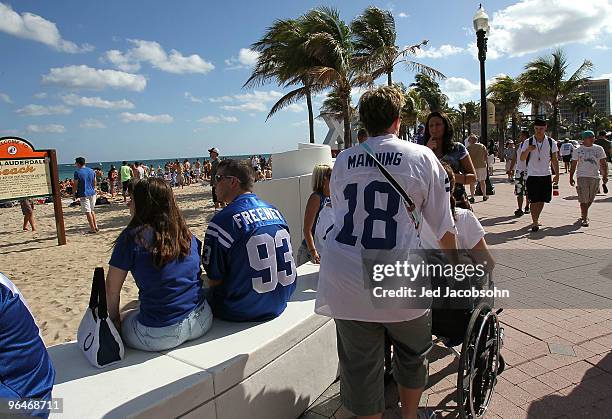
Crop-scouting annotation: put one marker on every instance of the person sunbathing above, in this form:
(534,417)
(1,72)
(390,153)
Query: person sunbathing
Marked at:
(164,259)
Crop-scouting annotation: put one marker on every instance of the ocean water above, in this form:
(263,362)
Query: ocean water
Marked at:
(66,171)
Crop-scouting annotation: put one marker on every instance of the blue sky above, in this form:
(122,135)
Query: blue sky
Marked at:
(156,79)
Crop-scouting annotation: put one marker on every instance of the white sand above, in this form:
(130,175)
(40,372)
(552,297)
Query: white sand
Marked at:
(56,280)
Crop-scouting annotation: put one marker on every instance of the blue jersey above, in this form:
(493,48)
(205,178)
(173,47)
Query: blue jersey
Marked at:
(25,367)
(247,247)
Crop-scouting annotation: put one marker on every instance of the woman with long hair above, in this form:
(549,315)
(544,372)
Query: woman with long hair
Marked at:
(321,175)
(163,256)
(439,137)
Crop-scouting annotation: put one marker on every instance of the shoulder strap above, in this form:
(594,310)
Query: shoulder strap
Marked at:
(530,143)
(550,147)
(410,207)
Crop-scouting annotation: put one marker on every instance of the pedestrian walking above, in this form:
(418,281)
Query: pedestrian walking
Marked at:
(566,154)
(84,188)
(539,153)
(520,177)
(588,162)
(478,155)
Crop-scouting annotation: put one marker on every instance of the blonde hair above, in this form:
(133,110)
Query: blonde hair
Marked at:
(319,173)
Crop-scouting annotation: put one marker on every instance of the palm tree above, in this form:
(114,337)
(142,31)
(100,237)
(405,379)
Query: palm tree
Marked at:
(415,109)
(429,90)
(505,93)
(328,41)
(374,39)
(334,106)
(283,59)
(472,113)
(545,78)
(581,104)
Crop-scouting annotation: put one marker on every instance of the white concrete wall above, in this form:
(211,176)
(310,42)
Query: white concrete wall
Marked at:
(291,184)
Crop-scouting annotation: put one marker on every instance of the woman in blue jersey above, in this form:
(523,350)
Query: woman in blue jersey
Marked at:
(164,259)
(320,191)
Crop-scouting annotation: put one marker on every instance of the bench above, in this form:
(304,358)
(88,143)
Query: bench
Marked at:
(273,369)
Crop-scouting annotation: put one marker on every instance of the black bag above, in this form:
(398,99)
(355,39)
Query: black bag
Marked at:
(97,336)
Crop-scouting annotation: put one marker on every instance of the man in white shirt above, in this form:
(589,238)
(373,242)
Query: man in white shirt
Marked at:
(370,216)
(566,153)
(520,177)
(539,153)
(587,162)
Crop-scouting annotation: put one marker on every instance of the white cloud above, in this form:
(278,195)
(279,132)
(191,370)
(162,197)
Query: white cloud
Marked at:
(255,101)
(9,131)
(532,25)
(50,128)
(36,28)
(317,121)
(192,98)
(402,15)
(605,76)
(247,58)
(39,110)
(217,119)
(459,90)
(295,107)
(143,117)
(153,53)
(84,77)
(92,124)
(220,99)
(247,107)
(602,47)
(5,98)
(443,51)
(41,95)
(96,102)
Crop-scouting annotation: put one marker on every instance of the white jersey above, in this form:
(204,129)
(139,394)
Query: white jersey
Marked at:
(540,158)
(369,214)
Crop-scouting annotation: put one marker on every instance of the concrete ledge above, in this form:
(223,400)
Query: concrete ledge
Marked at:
(256,370)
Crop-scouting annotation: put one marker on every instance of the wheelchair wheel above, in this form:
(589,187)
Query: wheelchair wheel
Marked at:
(479,363)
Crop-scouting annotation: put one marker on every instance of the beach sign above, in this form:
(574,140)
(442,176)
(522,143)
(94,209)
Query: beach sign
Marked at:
(27,173)
(24,172)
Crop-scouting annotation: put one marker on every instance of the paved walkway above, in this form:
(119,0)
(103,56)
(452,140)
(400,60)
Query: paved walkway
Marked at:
(558,347)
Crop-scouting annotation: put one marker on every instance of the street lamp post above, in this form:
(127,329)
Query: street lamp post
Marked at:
(481,26)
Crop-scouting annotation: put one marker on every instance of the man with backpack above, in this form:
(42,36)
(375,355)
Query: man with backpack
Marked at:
(538,152)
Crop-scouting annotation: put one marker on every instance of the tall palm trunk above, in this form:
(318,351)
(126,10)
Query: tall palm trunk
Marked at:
(310,114)
(389,79)
(555,117)
(347,119)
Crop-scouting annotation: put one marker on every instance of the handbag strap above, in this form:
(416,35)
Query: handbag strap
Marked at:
(408,203)
(97,299)
(102,307)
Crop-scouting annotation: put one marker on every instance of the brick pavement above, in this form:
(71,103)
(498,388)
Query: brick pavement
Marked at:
(558,351)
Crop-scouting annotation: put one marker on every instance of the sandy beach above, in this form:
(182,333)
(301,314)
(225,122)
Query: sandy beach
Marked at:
(56,280)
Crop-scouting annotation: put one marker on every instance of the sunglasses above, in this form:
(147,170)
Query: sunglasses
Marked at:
(219,178)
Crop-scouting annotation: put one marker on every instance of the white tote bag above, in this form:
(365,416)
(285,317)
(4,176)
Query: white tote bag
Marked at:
(97,336)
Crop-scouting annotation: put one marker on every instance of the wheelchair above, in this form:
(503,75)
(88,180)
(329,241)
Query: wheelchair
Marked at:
(474,324)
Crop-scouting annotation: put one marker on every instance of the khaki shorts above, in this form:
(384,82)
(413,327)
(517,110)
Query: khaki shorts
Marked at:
(481,174)
(361,351)
(88,203)
(587,189)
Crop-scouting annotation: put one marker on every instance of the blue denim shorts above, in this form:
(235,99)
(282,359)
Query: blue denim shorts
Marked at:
(139,336)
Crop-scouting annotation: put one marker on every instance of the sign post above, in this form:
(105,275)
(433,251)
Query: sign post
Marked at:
(29,173)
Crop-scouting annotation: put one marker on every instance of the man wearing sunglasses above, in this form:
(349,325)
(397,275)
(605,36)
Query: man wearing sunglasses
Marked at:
(247,251)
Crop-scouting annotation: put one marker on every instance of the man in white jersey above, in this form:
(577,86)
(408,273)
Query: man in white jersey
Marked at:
(539,154)
(369,215)
(587,162)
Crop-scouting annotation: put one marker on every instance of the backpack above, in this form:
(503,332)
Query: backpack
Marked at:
(532,141)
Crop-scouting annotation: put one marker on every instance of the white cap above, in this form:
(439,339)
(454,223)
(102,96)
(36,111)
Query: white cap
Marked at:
(214,150)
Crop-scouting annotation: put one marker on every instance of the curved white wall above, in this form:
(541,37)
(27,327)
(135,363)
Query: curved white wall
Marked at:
(300,162)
